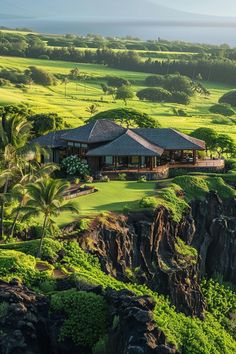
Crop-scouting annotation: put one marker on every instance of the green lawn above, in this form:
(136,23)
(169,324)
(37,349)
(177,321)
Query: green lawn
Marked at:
(73,108)
(112,196)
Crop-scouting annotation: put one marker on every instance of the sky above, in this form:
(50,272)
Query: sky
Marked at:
(210,7)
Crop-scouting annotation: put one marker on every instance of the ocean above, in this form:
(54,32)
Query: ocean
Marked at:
(198,34)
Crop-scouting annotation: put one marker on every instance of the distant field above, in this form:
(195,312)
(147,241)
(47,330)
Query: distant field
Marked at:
(73,108)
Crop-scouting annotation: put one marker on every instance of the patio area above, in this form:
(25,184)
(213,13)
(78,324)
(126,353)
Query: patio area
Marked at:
(162,172)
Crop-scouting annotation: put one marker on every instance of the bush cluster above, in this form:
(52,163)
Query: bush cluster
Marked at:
(73,165)
(84,316)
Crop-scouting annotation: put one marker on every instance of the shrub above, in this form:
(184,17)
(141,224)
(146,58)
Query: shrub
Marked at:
(148,203)
(222,120)
(84,316)
(117,82)
(222,109)
(154,95)
(155,80)
(44,57)
(230,164)
(229,98)
(41,77)
(221,300)
(73,165)
(50,248)
(142,179)
(122,176)
(105,179)
(180,97)
(179,83)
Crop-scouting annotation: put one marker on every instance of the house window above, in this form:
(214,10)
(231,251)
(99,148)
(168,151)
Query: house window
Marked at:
(108,160)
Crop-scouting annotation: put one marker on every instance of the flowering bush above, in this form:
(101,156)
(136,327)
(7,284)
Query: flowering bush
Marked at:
(73,165)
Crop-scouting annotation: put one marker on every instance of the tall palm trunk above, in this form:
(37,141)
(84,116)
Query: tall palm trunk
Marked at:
(2,208)
(42,235)
(15,219)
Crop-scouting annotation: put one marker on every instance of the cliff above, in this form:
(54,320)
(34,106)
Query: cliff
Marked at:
(169,256)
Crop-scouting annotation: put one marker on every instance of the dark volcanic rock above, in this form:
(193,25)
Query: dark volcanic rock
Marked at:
(27,328)
(23,321)
(215,236)
(143,246)
(134,330)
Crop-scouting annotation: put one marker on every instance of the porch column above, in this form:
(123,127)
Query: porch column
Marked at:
(139,162)
(115,158)
(151,163)
(194,157)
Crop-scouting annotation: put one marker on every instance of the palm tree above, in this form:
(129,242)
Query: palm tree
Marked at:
(19,191)
(93,109)
(14,134)
(65,82)
(46,197)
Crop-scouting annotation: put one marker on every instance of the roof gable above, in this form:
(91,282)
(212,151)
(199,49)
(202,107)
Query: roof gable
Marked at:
(170,139)
(101,130)
(128,144)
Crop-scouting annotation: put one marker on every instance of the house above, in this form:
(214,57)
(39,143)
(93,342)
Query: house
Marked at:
(106,145)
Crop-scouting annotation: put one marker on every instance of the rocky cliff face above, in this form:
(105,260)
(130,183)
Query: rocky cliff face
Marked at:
(215,236)
(28,327)
(147,248)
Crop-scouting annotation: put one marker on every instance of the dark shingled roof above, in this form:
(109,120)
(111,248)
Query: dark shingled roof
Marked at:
(170,139)
(101,130)
(52,139)
(128,144)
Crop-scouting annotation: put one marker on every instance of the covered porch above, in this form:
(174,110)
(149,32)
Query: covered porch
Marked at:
(144,163)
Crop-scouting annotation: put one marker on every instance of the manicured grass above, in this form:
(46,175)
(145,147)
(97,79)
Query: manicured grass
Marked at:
(73,108)
(112,196)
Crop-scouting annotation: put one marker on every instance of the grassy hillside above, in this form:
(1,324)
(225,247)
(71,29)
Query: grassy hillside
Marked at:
(73,108)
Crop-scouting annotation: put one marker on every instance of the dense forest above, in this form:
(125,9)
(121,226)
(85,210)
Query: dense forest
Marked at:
(211,63)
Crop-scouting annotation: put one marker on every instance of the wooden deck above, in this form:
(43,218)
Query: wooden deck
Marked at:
(162,172)
(205,164)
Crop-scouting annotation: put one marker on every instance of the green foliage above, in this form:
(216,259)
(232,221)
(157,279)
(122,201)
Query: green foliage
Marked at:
(14,264)
(122,176)
(46,122)
(74,166)
(229,98)
(191,335)
(124,93)
(186,251)
(128,117)
(155,80)
(41,77)
(181,98)
(221,299)
(84,316)
(222,120)
(179,83)
(148,203)
(154,95)
(223,109)
(230,164)
(117,82)
(50,248)
(170,198)
(196,187)
(209,135)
